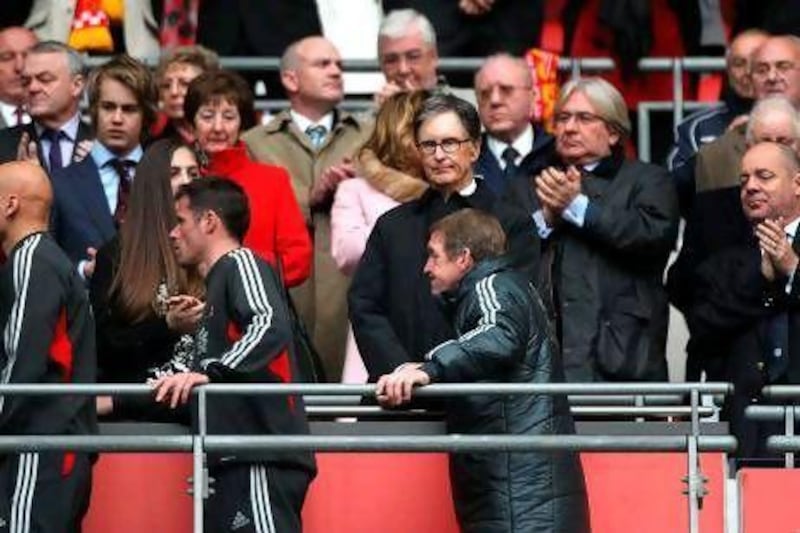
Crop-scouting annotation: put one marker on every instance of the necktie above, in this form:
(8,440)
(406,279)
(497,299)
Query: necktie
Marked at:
(510,156)
(19,115)
(54,157)
(122,168)
(316,134)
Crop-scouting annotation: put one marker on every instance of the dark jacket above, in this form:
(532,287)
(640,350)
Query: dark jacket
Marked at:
(10,137)
(539,157)
(49,338)
(245,337)
(602,282)
(503,336)
(80,216)
(730,316)
(716,223)
(394,316)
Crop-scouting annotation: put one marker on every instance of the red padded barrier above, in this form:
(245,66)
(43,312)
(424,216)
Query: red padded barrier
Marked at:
(398,493)
(767,498)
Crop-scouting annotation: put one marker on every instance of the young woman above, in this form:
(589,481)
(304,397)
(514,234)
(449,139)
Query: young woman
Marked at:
(145,304)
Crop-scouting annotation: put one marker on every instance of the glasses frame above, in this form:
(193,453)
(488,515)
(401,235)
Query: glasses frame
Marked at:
(448,146)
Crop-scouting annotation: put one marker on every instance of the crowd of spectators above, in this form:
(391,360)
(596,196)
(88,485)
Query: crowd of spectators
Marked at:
(341,205)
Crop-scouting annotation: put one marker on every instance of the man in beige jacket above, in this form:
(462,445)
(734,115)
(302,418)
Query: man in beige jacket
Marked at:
(315,142)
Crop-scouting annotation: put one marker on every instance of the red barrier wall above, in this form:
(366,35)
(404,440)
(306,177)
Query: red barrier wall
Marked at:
(768,500)
(398,493)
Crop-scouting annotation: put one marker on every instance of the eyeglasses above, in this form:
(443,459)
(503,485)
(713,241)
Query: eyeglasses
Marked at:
(583,118)
(505,91)
(449,146)
(411,57)
(762,70)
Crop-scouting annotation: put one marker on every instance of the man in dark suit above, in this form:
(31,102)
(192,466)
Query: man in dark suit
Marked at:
(53,76)
(15,42)
(747,305)
(90,196)
(511,147)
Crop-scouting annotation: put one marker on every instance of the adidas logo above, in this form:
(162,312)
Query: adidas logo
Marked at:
(239,521)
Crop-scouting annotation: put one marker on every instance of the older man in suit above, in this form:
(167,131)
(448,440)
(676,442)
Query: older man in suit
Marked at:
(315,142)
(747,304)
(511,147)
(53,76)
(91,195)
(14,45)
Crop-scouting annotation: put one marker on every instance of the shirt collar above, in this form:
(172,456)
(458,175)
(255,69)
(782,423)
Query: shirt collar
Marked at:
(9,112)
(523,144)
(69,128)
(102,155)
(303,123)
(791,228)
(470,189)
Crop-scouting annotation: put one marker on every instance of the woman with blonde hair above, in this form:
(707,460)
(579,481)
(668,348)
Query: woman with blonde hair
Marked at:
(390,173)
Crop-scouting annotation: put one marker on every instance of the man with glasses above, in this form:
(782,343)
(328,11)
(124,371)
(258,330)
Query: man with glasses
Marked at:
(608,225)
(706,125)
(774,72)
(511,147)
(395,317)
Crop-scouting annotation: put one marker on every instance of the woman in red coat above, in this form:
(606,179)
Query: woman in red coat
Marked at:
(219,104)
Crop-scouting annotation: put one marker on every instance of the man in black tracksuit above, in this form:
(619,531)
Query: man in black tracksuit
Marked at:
(245,337)
(48,337)
(503,336)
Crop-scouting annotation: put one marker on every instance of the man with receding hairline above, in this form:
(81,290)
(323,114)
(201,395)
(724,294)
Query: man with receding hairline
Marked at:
(48,334)
(746,305)
(315,141)
(511,147)
(15,42)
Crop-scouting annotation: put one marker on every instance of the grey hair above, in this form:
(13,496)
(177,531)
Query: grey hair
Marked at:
(441,103)
(604,97)
(399,22)
(75,59)
(752,32)
(776,104)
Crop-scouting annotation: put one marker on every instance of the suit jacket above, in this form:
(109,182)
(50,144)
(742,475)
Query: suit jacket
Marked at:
(9,141)
(80,215)
(539,157)
(51,20)
(602,282)
(728,317)
(321,301)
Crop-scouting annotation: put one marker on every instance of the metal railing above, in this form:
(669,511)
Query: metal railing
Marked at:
(677,66)
(201,442)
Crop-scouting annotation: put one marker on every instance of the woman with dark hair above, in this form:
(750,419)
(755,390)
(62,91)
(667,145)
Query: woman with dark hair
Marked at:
(145,304)
(219,105)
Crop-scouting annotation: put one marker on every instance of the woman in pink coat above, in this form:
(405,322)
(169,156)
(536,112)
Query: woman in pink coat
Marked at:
(390,174)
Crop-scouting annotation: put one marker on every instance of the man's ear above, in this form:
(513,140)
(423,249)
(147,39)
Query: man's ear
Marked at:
(78,84)
(465,261)
(208,222)
(10,205)
(289,81)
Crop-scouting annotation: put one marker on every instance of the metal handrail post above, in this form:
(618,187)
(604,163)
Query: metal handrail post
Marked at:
(677,91)
(200,480)
(694,479)
(576,68)
(788,420)
(643,117)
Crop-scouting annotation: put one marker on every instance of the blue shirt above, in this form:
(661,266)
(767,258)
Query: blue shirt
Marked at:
(109,178)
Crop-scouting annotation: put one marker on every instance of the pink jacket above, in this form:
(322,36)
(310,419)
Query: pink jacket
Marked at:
(356,207)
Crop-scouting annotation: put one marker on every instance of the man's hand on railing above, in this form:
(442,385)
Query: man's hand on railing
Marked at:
(395,389)
(176,389)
